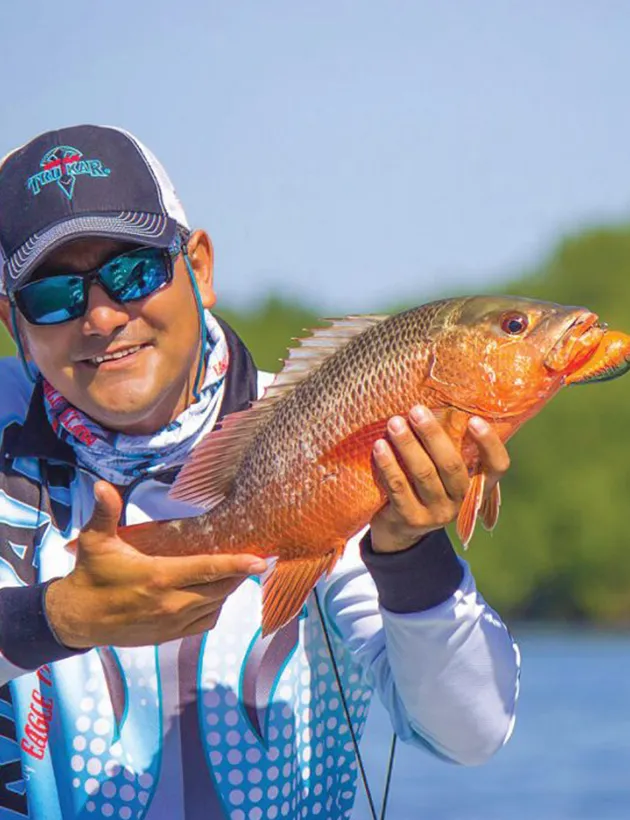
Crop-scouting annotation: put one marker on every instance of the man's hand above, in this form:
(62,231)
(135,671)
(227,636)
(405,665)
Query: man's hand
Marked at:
(117,596)
(431,496)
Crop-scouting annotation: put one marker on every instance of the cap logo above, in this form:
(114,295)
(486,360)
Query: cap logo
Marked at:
(63,165)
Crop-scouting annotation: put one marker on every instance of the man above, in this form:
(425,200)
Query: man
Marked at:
(140,686)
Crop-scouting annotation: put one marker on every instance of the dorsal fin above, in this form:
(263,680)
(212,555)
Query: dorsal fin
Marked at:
(207,476)
(313,350)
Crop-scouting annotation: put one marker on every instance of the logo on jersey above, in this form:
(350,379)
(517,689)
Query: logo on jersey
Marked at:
(63,165)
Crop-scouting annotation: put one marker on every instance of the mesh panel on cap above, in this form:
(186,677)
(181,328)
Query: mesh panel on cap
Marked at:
(170,200)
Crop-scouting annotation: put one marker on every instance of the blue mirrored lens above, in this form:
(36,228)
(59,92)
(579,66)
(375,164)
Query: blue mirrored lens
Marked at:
(57,299)
(135,275)
(52,300)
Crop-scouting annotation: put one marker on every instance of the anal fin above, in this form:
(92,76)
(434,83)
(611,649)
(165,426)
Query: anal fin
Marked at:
(288,586)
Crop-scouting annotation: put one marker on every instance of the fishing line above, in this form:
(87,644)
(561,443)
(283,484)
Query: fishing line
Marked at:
(355,742)
(388,776)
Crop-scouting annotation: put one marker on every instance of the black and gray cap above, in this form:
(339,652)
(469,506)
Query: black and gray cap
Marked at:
(86,180)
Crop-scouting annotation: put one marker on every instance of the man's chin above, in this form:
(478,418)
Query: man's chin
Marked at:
(128,411)
(138,401)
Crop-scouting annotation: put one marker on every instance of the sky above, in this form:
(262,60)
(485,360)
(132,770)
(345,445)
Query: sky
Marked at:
(350,155)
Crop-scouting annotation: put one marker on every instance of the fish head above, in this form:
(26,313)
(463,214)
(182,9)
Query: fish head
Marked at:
(501,356)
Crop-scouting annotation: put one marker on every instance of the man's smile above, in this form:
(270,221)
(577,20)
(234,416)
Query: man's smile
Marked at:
(111,359)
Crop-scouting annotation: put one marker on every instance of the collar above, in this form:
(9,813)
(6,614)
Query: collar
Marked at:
(35,438)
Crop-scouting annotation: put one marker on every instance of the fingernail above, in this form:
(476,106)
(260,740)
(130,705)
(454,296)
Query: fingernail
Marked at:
(419,414)
(396,424)
(380,448)
(479,425)
(257,567)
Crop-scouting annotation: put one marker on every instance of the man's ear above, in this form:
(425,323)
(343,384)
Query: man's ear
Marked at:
(201,255)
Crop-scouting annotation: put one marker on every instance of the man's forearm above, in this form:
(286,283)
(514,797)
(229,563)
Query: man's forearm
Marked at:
(448,672)
(26,638)
(417,578)
(456,671)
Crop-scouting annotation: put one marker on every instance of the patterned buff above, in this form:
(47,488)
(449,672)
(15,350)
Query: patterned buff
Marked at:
(121,458)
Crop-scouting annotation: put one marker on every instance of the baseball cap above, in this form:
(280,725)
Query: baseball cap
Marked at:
(84,180)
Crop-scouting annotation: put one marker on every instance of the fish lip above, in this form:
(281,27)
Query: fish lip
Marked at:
(565,352)
(615,365)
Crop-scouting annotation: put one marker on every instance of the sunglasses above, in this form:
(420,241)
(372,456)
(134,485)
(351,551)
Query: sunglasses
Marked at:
(126,278)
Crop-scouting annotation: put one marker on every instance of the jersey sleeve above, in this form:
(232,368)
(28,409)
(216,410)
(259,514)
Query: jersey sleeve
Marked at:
(445,665)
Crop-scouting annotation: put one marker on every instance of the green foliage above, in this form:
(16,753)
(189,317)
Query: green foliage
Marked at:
(268,329)
(7,348)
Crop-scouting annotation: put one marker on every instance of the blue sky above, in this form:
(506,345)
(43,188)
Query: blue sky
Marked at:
(349,154)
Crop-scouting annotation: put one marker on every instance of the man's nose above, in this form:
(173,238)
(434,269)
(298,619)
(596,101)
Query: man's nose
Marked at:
(103,315)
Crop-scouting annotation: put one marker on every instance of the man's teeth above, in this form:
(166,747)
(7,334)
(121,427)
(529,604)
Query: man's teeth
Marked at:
(119,354)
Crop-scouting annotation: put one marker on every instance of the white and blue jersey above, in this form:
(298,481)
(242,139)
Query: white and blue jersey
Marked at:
(226,724)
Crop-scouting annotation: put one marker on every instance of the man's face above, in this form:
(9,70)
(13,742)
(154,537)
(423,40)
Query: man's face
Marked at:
(159,335)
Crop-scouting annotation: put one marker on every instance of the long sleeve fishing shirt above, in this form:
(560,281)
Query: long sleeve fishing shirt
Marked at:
(226,724)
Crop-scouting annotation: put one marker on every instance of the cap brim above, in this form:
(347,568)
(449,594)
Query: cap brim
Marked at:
(154,230)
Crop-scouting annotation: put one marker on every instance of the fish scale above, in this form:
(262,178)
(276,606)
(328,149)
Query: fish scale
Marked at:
(293,477)
(328,408)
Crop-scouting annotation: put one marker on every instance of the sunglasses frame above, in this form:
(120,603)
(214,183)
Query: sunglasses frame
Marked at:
(88,278)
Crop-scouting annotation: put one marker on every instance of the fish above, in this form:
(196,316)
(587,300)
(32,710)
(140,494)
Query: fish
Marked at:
(292,477)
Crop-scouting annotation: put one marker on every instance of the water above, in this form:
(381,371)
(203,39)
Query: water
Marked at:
(569,756)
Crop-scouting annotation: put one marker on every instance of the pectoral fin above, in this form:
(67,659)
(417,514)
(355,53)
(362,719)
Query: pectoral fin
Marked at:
(287,587)
(356,448)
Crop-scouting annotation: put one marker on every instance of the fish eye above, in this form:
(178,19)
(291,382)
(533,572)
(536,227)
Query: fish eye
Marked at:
(514,323)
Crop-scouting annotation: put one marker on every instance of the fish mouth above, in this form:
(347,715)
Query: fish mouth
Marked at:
(610,360)
(577,343)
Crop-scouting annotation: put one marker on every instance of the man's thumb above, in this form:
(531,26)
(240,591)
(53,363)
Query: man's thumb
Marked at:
(107,509)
